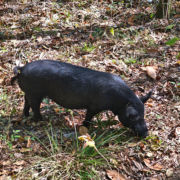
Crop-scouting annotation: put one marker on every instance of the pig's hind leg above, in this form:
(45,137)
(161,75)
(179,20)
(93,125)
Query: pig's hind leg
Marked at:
(34,102)
(26,107)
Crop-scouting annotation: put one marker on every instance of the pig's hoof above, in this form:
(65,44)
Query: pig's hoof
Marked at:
(34,119)
(26,114)
(37,118)
(86,125)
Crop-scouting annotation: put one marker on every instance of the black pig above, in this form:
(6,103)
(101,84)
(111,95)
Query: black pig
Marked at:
(75,87)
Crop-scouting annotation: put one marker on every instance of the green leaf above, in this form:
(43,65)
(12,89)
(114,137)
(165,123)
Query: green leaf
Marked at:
(170,26)
(17,136)
(4,50)
(16,131)
(112,31)
(10,145)
(69,14)
(172,41)
(178,55)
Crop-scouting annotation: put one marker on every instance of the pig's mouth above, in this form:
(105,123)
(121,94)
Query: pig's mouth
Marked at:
(144,135)
(140,130)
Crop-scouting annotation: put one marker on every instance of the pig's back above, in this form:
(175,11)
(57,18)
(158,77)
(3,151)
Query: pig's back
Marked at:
(72,86)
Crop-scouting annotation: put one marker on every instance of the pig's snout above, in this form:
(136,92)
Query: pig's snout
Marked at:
(141,130)
(145,135)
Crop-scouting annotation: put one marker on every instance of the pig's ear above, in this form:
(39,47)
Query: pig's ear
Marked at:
(130,111)
(146,97)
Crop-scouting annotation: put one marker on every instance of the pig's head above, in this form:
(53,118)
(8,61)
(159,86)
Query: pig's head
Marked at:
(133,117)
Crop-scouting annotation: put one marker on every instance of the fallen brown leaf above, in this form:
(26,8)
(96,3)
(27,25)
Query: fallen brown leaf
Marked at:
(1,81)
(138,165)
(39,38)
(169,172)
(131,20)
(155,166)
(42,55)
(114,175)
(29,142)
(91,37)
(149,104)
(22,162)
(132,144)
(4,163)
(177,131)
(151,72)
(177,16)
(83,130)
(153,52)
(21,139)
(25,150)
(4,172)
(15,119)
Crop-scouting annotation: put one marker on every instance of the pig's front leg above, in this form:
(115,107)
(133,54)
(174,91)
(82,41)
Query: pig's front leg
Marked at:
(89,116)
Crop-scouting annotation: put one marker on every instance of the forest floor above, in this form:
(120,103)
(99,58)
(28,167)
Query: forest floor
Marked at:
(104,36)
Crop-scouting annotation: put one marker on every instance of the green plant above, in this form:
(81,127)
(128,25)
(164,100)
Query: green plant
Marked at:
(170,26)
(152,15)
(87,174)
(68,159)
(4,99)
(172,41)
(3,49)
(178,55)
(53,141)
(82,3)
(98,32)
(3,137)
(37,28)
(9,140)
(176,85)
(15,135)
(130,60)
(159,116)
(112,31)
(104,124)
(87,48)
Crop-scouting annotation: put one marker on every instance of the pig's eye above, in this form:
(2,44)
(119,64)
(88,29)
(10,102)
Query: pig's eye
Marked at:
(134,118)
(133,114)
